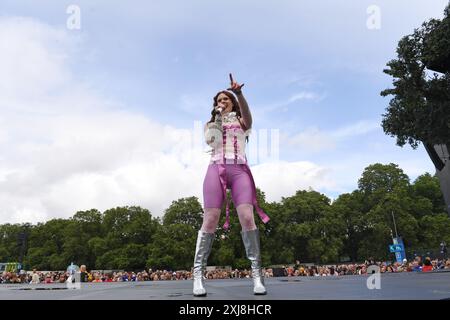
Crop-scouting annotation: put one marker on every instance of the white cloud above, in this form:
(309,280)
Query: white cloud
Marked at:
(283,179)
(303,96)
(312,139)
(32,57)
(343,163)
(346,169)
(298,96)
(66,148)
(360,128)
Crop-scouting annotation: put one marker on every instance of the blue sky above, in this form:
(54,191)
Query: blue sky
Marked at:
(312,70)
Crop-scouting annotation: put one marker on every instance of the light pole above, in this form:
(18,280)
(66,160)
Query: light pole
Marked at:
(395,226)
(398,241)
(393,217)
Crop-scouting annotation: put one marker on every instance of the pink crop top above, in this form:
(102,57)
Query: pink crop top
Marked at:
(230,147)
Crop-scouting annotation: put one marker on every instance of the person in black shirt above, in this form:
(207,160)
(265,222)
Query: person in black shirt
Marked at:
(83,274)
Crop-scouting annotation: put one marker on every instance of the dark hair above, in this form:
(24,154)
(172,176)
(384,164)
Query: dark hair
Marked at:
(235,108)
(232,98)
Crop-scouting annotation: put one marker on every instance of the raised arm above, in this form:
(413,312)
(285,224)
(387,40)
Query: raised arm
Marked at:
(245,110)
(243,105)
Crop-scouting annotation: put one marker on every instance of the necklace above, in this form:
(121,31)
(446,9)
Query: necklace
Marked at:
(229,117)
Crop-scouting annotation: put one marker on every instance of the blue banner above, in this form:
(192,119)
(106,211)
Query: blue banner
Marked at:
(398,248)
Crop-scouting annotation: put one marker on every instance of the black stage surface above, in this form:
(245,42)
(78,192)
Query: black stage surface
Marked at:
(432,285)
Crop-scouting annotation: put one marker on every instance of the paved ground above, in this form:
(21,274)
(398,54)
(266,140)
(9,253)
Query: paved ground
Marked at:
(435,285)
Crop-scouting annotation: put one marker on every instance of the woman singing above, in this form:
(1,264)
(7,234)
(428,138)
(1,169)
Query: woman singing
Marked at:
(226,133)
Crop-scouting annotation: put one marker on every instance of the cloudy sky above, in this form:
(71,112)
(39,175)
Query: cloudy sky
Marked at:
(110,113)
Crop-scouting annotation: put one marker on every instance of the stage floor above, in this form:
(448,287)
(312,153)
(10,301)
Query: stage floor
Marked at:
(433,285)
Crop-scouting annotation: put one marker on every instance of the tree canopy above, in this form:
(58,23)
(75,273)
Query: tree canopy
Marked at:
(420,108)
(305,226)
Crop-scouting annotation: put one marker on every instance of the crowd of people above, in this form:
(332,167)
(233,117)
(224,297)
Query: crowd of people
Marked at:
(416,265)
(295,270)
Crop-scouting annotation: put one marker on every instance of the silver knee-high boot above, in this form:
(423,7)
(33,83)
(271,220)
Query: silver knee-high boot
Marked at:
(252,248)
(202,250)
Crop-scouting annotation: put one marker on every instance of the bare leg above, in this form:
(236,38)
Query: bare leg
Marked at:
(210,220)
(246,217)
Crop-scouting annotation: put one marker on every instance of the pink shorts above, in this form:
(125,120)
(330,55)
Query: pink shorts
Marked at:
(238,181)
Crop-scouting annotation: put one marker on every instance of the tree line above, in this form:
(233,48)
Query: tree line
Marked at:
(307,226)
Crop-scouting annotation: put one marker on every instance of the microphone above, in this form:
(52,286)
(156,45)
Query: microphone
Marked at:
(219,110)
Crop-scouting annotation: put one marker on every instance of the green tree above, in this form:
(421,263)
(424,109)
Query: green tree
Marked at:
(308,229)
(173,248)
(83,226)
(47,240)
(384,194)
(435,228)
(378,179)
(184,211)
(97,246)
(418,111)
(427,195)
(128,225)
(12,238)
(350,208)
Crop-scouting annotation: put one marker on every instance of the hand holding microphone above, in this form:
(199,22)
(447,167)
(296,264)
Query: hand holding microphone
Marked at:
(214,129)
(219,109)
(218,118)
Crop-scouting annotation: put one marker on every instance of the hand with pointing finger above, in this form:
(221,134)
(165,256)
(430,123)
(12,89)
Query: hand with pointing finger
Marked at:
(235,87)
